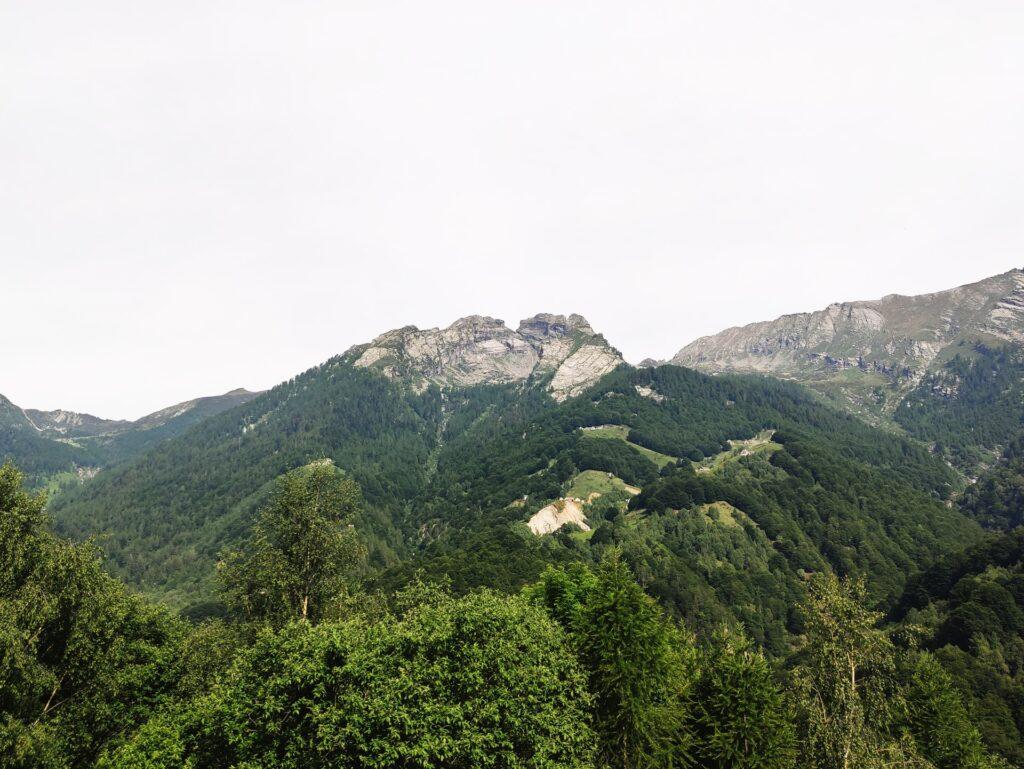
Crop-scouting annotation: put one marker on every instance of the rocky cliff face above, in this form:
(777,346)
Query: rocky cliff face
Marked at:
(893,340)
(900,335)
(482,350)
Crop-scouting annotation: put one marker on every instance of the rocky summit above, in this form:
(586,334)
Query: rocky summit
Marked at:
(483,350)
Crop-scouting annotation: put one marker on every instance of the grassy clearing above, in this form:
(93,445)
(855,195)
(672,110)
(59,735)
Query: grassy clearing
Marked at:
(760,445)
(597,482)
(723,514)
(621,433)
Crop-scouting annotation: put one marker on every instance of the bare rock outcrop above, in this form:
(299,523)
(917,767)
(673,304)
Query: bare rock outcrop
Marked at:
(483,350)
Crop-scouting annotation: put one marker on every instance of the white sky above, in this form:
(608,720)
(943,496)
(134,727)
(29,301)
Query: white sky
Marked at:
(196,196)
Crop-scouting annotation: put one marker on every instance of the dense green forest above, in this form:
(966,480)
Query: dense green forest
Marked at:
(581,668)
(449,477)
(971,407)
(827,492)
(970,606)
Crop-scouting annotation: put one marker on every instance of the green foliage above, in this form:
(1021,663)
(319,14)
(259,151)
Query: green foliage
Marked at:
(938,719)
(742,720)
(440,472)
(166,517)
(971,605)
(838,494)
(303,552)
(996,500)
(81,660)
(637,675)
(849,702)
(583,670)
(638,664)
(970,406)
(480,681)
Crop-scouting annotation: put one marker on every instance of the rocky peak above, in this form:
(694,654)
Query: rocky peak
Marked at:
(483,350)
(544,325)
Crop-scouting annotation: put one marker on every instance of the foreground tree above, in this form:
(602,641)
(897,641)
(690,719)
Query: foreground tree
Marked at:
(938,719)
(303,551)
(640,666)
(742,719)
(847,679)
(865,703)
(81,660)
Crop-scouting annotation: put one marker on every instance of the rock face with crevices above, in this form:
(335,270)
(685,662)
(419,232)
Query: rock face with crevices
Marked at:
(900,335)
(483,350)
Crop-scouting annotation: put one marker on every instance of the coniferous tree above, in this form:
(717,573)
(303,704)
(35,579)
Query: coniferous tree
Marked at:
(640,670)
(938,719)
(741,717)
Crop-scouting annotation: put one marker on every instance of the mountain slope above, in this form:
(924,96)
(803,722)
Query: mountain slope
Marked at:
(37,455)
(867,354)
(452,474)
(136,437)
(970,605)
(724,534)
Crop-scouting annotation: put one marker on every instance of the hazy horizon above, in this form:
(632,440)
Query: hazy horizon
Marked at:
(202,196)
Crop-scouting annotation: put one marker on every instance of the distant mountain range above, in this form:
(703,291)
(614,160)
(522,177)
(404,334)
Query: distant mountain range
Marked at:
(53,443)
(886,360)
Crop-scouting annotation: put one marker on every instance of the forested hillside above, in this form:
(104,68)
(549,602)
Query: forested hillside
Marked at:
(164,517)
(726,497)
(580,670)
(971,604)
(971,407)
(450,477)
(718,534)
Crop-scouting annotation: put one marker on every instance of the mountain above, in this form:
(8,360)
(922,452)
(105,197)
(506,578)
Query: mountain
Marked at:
(69,424)
(136,437)
(946,368)
(565,351)
(725,493)
(485,455)
(38,456)
(63,445)
(899,337)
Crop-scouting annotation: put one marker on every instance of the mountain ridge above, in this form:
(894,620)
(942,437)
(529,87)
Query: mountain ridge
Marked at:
(998,300)
(57,442)
(868,353)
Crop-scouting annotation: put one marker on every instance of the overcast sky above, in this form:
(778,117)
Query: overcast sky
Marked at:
(196,196)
